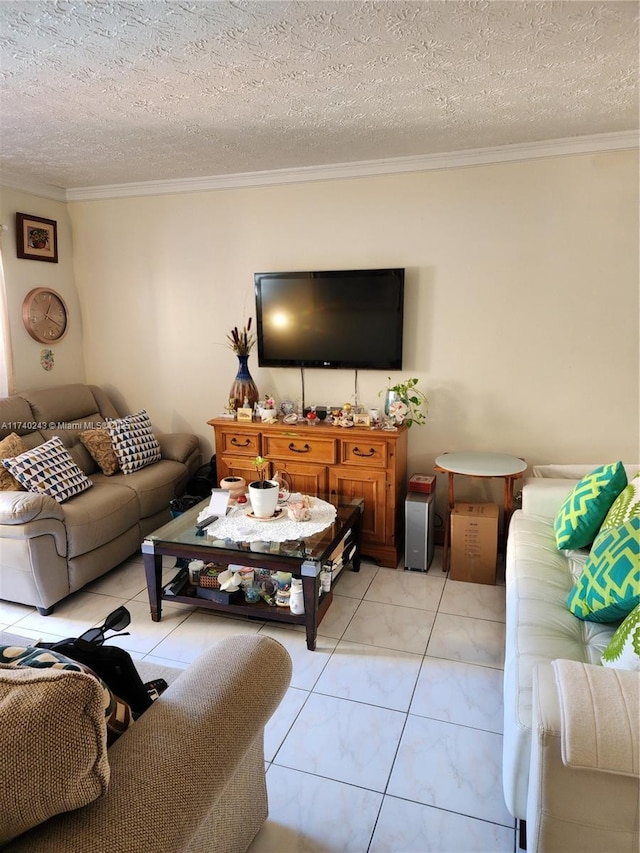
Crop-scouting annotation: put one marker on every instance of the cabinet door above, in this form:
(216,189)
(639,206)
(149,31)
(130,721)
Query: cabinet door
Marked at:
(307,478)
(370,485)
(236,466)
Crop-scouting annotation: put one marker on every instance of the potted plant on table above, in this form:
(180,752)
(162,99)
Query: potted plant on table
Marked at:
(405,403)
(263,493)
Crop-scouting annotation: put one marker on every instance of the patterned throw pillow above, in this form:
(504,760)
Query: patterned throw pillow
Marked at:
(609,586)
(133,441)
(49,470)
(10,446)
(625,506)
(623,652)
(98,443)
(583,511)
(117,713)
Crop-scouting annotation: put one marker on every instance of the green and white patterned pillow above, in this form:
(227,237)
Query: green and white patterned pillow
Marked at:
(625,506)
(609,586)
(583,511)
(49,470)
(133,441)
(623,652)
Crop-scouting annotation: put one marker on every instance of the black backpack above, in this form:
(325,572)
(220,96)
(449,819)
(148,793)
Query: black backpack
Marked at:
(114,666)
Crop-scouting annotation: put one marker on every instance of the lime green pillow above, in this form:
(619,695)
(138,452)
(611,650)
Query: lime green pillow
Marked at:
(584,510)
(625,506)
(623,652)
(609,586)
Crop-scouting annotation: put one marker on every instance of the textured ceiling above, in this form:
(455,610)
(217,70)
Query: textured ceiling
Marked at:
(100,92)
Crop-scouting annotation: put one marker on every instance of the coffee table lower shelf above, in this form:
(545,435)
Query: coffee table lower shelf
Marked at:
(259,610)
(315,604)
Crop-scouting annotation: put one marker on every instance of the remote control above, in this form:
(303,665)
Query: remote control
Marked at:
(178,583)
(207,521)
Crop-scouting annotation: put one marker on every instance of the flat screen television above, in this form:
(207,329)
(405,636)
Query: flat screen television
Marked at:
(330,318)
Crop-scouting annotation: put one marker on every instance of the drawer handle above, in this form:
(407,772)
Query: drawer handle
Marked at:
(295,449)
(358,452)
(237,443)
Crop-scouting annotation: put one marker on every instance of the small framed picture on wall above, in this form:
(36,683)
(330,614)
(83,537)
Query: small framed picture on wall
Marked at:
(36,238)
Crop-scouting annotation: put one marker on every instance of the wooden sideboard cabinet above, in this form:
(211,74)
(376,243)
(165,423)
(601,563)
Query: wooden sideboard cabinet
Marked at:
(356,462)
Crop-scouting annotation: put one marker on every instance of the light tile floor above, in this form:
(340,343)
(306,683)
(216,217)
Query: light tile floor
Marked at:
(389,739)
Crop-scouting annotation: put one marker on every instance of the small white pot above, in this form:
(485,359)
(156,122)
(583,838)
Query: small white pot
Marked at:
(263,495)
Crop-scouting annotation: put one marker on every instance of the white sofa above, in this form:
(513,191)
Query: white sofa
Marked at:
(550,707)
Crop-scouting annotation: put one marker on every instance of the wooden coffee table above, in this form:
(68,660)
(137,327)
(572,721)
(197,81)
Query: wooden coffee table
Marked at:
(303,558)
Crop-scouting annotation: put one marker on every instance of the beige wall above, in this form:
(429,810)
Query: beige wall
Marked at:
(521,298)
(22,275)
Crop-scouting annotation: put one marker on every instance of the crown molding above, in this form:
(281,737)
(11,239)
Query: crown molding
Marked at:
(40,190)
(368,168)
(623,140)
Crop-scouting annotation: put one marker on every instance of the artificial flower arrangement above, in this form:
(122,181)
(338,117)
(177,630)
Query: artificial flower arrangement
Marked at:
(241,342)
(406,402)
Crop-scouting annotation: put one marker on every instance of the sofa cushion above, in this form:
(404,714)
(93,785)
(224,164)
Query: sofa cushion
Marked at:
(609,586)
(98,443)
(625,506)
(133,441)
(49,469)
(99,515)
(623,652)
(154,485)
(117,713)
(53,742)
(582,513)
(10,446)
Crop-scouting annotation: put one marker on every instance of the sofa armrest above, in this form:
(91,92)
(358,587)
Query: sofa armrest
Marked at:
(544,496)
(23,507)
(574,806)
(178,446)
(600,711)
(171,771)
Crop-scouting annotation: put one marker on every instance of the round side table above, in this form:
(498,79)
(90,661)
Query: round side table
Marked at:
(479,463)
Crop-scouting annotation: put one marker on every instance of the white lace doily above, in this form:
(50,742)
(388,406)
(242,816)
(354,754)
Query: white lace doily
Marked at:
(238,527)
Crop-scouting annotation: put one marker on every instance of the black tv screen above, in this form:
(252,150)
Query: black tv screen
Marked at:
(332,318)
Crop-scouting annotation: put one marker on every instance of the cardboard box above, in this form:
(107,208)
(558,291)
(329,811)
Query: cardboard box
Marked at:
(422,483)
(474,543)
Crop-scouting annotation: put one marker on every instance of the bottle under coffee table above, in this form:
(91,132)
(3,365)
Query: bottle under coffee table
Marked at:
(303,558)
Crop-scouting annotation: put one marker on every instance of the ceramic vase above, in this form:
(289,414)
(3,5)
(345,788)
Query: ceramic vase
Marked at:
(243,388)
(263,495)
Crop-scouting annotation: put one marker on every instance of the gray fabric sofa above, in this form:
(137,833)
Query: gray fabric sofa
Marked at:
(557,695)
(49,550)
(189,775)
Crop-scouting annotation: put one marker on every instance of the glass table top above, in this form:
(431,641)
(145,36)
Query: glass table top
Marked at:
(182,531)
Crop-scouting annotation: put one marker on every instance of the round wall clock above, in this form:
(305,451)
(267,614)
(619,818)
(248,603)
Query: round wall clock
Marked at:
(44,315)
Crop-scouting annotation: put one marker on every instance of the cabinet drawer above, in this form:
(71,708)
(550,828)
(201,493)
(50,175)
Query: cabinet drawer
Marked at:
(239,442)
(363,451)
(300,447)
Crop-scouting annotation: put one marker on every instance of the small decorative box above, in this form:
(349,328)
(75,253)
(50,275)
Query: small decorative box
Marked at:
(422,483)
(222,596)
(209,576)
